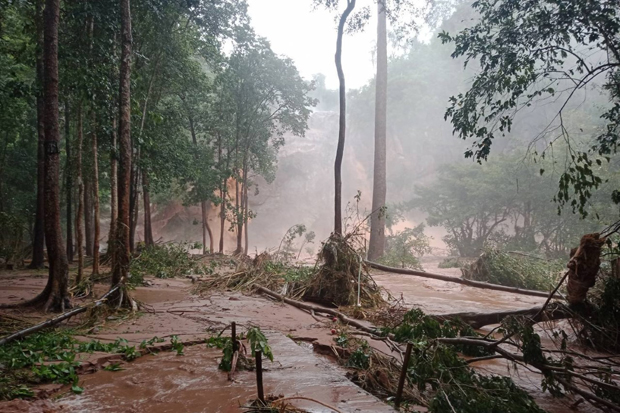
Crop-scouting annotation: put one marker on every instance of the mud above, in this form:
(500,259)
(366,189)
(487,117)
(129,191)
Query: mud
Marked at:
(169,383)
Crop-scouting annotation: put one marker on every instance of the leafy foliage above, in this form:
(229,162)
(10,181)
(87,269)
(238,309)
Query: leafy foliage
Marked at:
(506,203)
(256,339)
(404,248)
(420,328)
(50,357)
(537,50)
(514,270)
(165,261)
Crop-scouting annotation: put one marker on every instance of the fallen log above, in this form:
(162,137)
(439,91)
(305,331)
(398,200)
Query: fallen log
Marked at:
(447,278)
(55,320)
(310,307)
(556,311)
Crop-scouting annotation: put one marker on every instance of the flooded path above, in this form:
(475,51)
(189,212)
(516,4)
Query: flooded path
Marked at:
(192,383)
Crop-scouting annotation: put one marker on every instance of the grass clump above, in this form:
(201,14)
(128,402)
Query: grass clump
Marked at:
(514,270)
(165,261)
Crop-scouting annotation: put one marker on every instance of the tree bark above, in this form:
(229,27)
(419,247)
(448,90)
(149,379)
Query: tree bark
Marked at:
(238,207)
(376,245)
(113,191)
(69,184)
(222,217)
(134,207)
(79,218)
(121,247)
(88,211)
(342,122)
(245,216)
(38,243)
(148,229)
(58,298)
(555,311)
(95,194)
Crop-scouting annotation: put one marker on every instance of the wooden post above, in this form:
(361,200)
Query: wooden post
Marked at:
(233,335)
(259,376)
(403,376)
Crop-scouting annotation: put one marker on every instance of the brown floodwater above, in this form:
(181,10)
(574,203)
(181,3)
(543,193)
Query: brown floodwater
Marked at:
(192,383)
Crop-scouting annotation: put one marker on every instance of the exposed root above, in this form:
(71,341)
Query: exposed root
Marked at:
(343,278)
(583,267)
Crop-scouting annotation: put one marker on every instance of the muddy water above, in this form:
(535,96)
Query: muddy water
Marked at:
(437,297)
(192,383)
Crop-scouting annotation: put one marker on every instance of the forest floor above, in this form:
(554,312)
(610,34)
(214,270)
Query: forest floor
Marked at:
(166,382)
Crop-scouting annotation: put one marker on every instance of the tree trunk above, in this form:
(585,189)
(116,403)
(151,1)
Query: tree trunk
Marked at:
(206,228)
(113,192)
(615,268)
(95,194)
(376,246)
(134,194)
(245,216)
(148,230)
(450,279)
(88,212)
(555,311)
(239,209)
(58,280)
(79,218)
(38,244)
(222,217)
(69,183)
(342,123)
(121,247)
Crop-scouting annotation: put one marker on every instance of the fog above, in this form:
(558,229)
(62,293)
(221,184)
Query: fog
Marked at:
(422,77)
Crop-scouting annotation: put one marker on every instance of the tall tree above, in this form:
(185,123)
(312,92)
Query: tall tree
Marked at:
(376,246)
(38,244)
(342,124)
(148,229)
(79,217)
(97,230)
(68,183)
(121,247)
(57,287)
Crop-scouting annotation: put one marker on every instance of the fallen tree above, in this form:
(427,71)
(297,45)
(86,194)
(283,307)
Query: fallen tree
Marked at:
(555,311)
(447,278)
(56,320)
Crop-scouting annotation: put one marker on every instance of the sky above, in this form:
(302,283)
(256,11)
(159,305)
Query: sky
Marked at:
(309,38)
